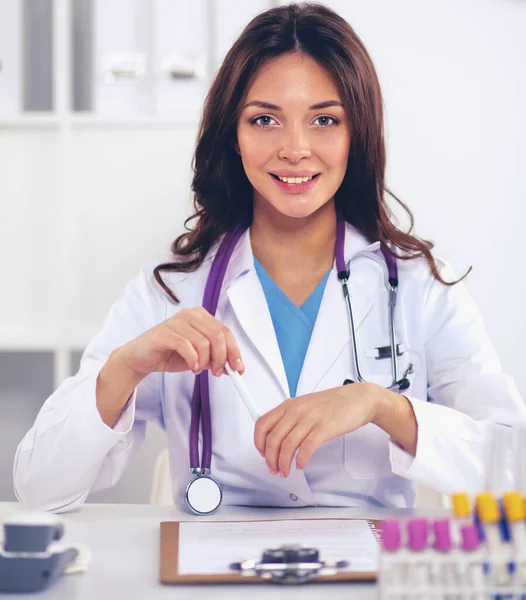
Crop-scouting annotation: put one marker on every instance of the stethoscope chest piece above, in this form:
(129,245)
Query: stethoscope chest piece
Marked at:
(203,494)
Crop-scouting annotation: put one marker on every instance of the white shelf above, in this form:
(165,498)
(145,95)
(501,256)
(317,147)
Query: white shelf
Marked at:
(25,342)
(91,121)
(41,341)
(97,121)
(29,121)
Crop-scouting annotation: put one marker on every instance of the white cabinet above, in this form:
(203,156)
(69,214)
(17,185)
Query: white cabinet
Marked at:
(96,187)
(181,55)
(10,57)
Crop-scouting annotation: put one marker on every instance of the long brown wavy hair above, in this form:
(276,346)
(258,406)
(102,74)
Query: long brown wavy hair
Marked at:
(223,195)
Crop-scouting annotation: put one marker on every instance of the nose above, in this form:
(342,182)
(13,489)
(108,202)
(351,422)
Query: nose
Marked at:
(295,146)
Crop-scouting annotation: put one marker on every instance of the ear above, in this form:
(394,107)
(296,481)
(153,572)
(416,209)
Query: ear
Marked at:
(235,145)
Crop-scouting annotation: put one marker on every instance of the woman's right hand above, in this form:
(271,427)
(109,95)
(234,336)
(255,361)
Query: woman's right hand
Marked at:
(190,340)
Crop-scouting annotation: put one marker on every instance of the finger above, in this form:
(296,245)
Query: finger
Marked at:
(274,440)
(223,343)
(199,342)
(212,330)
(291,443)
(265,424)
(184,348)
(233,353)
(309,445)
(218,351)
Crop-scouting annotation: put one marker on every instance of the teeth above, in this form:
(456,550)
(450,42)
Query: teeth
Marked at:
(294,179)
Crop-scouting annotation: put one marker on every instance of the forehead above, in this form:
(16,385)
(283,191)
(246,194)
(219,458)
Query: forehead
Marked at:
(292,79)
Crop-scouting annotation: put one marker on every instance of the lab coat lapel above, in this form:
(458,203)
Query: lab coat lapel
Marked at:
(332,330)
(248,301)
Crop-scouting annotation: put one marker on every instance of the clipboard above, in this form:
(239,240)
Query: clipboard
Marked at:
(169,560)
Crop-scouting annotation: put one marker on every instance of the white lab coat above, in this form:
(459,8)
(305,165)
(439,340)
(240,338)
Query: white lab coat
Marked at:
(69,451)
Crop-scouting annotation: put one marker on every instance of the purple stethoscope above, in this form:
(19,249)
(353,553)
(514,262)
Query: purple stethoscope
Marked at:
(203,494)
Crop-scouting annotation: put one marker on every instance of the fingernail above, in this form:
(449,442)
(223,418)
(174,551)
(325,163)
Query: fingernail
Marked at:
(298,467)
(196,367)
(282,474)
(239,364)
(273,471)
(218,373)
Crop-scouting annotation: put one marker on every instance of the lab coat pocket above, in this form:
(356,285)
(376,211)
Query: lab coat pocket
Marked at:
(380,371)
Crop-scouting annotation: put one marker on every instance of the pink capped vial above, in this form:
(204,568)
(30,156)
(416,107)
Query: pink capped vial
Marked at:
(442,535)
(417,534)
(391,535)
(470,538)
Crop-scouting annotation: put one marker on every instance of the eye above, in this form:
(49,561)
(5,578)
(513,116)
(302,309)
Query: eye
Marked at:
(326,121)
(263,121)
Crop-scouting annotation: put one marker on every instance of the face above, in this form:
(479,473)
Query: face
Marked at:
(293,137)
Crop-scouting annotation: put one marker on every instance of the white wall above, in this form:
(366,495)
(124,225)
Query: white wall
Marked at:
(85,205)
(452,75)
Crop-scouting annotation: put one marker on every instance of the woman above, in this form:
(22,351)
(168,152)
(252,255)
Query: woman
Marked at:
(291,144)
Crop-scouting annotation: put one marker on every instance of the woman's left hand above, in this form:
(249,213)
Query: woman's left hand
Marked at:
(306,422)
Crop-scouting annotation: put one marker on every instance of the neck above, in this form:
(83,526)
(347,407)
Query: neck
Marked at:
(284,244)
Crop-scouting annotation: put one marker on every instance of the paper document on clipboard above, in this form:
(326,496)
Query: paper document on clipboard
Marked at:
(209,547)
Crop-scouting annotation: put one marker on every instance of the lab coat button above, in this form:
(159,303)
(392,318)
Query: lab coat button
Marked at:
(293,497)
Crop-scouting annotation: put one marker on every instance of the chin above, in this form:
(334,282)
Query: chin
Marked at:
(297,207)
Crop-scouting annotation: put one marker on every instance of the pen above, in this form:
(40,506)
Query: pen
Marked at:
(243,392)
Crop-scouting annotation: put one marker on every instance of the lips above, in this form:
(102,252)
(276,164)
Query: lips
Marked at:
(295,184)
(294,179)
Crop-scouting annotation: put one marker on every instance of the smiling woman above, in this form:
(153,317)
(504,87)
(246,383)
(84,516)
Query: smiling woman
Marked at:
(290,209)
(290,91)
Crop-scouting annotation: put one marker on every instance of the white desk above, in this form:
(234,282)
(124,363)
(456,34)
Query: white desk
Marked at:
(124,540)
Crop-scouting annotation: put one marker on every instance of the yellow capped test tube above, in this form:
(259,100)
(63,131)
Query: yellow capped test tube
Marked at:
(515,515)
(488,512)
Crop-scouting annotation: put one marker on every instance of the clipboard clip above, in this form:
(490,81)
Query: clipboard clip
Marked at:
(289,564)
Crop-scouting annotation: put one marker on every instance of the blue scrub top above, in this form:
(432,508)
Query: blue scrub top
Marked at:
(293,325)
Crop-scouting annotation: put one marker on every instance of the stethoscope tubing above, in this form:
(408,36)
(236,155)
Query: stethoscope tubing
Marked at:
(200,414)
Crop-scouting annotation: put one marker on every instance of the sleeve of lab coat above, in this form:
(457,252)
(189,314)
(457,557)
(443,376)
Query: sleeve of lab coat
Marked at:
(69,451)
(468,394)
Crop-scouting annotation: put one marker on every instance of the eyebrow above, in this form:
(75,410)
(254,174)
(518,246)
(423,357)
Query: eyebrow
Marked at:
(269,106)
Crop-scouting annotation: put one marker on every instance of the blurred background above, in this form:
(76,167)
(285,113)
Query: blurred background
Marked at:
(100,102)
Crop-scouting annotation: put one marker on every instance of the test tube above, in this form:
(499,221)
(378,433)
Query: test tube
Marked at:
(497,551)
(515,515)
(498,459)
(445,575)
(519,461)
(472,560)
(393,570)
(419,567)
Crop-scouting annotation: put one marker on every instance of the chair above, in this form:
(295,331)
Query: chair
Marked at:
(162,482)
